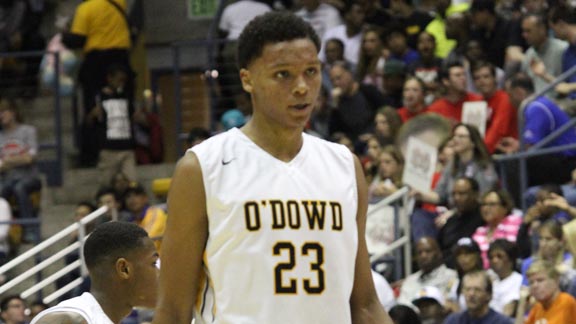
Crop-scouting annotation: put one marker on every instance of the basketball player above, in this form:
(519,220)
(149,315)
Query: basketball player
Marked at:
(121,260)
(266,223)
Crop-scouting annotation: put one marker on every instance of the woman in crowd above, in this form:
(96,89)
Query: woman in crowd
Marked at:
(551,248)
(501,223)
(506,282)
(387,124)
(389,177)
(471,159)
(370,161)
(370,67)
(468,259)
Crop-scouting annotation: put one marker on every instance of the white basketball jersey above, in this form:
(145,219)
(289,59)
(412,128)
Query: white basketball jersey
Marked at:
(282,235)
(85,305)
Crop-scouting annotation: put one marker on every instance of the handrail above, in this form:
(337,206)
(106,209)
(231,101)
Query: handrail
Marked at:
(77,245)
(399,198)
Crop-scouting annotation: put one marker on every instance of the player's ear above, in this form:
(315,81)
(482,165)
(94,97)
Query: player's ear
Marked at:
(123,268)
(246,80)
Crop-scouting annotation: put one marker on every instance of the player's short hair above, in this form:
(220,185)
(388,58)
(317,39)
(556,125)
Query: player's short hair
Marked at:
(269,28)
(110,241)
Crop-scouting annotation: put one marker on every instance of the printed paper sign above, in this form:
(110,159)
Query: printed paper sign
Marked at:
(420,164)
(379,228)
(475,113)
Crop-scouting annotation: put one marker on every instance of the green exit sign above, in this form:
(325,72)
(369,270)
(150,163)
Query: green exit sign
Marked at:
(202,8)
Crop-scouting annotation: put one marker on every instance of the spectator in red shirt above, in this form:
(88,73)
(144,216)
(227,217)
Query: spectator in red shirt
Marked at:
(413,99)
(502,117)
(453,78)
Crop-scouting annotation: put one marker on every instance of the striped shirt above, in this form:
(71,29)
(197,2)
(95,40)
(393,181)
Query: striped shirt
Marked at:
(507,229)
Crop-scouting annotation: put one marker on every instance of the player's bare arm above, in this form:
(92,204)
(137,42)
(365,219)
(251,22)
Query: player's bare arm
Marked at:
(366,309)
(183,244)
(62,318)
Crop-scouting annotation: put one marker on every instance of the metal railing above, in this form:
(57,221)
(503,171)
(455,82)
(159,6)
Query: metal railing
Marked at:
(401,248)
(537,149)
(79,226)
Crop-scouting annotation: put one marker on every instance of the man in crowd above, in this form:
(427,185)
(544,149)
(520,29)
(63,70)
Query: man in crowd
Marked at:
(12,310)
(150,218)
(502,116)
(453,78)
(432,272)
(542,117)
(477,290)
(430,303)
(350,33)
(463,220)
(356,103)
(541,61)
(500,38)
(100,28)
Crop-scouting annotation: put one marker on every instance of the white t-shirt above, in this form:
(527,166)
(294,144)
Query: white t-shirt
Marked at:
(238,14)
(504,291)
(86,306)
(383,290)
(321,19)
(351,44)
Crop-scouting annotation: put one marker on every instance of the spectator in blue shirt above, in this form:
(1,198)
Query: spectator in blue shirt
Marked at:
(542,117)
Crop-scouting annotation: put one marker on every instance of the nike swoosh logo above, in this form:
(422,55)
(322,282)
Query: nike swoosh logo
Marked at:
(227,162)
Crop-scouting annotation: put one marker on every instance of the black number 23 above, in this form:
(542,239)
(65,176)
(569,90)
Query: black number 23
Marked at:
(290,287)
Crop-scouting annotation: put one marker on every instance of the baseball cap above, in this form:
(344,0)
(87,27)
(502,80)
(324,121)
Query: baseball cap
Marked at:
(429,293)
(466,244)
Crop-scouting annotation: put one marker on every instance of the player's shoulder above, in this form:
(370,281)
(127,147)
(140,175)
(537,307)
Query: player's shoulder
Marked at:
(60,317)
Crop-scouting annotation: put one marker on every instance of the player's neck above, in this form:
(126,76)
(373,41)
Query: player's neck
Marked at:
(114,308)
(283,144)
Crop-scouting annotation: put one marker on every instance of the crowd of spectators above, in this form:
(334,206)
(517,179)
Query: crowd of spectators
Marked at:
(404,69)
(401,70)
